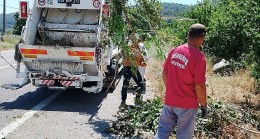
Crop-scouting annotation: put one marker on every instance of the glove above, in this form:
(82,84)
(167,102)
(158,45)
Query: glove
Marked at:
(143,64)
(204,111)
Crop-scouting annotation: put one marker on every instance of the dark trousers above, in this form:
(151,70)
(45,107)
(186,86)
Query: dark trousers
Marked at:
(128,74)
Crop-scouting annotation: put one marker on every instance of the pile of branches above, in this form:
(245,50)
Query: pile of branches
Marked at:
(228,121)
(138,121)
(224,121)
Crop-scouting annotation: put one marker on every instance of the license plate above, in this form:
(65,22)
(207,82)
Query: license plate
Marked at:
(72,67)
(68,1)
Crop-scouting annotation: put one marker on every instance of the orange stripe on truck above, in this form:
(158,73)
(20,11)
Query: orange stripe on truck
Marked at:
(87,58)
(26,51)
(29,56)
(80,53)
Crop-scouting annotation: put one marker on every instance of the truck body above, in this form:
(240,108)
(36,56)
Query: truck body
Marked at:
(61,46)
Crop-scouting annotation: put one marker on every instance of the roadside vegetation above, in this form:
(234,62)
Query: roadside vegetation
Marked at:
(14,28)
(234,107)
(233,94)
(233,31)
(9,42)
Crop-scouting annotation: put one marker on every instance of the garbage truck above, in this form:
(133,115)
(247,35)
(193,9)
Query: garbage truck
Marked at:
(61,46)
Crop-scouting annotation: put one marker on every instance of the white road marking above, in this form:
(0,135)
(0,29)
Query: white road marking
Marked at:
(11,127)
(7,51)
(7,66)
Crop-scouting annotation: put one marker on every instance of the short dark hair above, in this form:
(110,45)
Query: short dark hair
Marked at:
(197,31)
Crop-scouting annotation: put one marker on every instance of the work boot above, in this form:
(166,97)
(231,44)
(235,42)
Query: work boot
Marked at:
(138,99)
(144,90)
(122,104)
(139,90)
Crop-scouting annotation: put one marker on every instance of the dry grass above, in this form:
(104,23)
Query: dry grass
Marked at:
(229,89)
(9,42)
(154,76)
(233,89)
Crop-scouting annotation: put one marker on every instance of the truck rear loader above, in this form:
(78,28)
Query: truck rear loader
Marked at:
(61,46)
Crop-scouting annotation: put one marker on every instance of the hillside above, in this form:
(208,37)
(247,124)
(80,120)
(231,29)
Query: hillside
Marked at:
(10,21)
(173,9)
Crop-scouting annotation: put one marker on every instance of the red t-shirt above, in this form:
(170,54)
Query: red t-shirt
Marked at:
(185,67)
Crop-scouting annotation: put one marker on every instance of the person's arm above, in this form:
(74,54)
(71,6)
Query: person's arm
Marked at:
(140,47)
(165,67)
(202,97)
(164,75)
(140,58)
(201,94)
(200,80)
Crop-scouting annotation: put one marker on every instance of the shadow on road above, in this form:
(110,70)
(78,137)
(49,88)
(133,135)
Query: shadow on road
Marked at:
(101,126)
(85,104)
(76,100)
(71,100)
(28,100)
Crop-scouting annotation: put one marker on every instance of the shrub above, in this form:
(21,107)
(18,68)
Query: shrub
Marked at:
(233,30)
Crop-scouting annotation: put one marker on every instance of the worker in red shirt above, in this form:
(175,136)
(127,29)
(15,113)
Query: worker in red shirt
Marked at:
(184,77)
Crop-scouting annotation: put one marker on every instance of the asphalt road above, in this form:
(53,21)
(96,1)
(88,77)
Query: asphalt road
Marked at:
(40,113)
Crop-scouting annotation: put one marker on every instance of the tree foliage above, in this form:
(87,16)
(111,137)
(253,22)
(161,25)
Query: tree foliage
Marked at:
(17,29)
(126,21)
(173,9)
(233,30)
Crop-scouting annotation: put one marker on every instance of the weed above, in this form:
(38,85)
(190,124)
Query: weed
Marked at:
(9,42)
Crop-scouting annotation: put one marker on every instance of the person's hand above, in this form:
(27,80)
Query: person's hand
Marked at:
(143,64)
(204,111)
